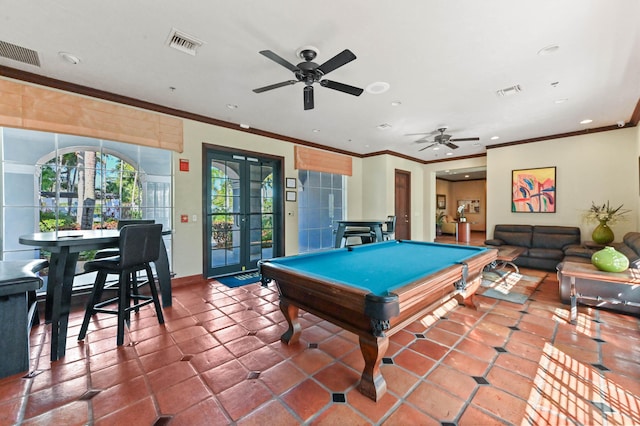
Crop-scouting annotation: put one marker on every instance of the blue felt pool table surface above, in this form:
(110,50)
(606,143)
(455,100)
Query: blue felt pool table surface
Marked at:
(381,267)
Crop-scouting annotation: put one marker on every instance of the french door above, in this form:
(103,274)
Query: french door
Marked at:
(243,211)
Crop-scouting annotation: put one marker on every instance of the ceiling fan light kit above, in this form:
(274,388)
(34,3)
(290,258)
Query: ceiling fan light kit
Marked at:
(309,72)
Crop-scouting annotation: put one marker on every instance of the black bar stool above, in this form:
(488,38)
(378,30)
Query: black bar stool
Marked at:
(139,246)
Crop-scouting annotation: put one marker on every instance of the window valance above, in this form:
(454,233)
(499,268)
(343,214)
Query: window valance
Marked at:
(322,161)
(36,108)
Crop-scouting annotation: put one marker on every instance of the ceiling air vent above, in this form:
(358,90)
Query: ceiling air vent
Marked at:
(19,53)
(508,91)
(183,42)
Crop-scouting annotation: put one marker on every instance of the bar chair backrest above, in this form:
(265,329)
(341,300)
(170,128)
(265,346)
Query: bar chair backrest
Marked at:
(139,244)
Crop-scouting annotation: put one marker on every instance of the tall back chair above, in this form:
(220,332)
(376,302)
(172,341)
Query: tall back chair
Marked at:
(139,246)
(389,233)
(108,252)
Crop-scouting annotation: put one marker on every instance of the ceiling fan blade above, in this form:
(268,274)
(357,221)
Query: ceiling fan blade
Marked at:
(428,146)
(337,61)
(278,59)
(355,91)
(464,139)
(451,145)
(275,86)
(308,97)
(423,140)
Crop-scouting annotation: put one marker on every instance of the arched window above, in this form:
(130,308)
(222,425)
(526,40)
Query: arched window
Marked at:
(47,178)
(83,188)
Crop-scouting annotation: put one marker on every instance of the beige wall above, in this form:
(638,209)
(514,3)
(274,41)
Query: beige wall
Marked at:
(187,240)
(465,190)
(378,198)
(471,190)
(593,167)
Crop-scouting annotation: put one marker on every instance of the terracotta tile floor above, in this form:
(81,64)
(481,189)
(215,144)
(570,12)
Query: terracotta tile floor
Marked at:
(218,360)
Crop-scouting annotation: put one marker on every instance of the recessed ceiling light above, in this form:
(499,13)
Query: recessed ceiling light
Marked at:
(493,138)
(449,153)
(232,106)
(552,48)
(316,130)
(586,121)
(466,176)
(378,87)
(435,148)
(560,101)
(384,126)
(244,126)
(396,103)
(68,57)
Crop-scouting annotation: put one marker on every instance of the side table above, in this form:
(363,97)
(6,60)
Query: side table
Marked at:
(598,288)
(593,245)
(463,232)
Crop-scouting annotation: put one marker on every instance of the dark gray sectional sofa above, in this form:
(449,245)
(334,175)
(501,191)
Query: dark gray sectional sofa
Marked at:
(546,245)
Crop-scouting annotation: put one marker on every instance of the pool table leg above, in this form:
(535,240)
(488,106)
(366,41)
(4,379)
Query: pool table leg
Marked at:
(292,335)
(465,297)
(372,384)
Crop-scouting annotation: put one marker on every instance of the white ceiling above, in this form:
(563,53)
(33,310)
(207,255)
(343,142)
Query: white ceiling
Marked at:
(444,62)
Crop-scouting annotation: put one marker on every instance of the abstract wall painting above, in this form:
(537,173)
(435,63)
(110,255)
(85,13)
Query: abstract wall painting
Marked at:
(533,190)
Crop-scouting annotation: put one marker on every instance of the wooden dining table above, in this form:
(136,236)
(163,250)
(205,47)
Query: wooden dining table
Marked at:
(65,247)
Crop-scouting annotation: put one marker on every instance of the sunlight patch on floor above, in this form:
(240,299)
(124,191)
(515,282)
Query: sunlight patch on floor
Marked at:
(568,391)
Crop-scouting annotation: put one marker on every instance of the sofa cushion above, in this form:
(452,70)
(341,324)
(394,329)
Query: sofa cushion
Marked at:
(555,237)
(545,253)
(579,251)
(514,235)
(632,240)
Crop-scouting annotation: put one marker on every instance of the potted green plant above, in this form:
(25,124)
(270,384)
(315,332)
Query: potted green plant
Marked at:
(439,221)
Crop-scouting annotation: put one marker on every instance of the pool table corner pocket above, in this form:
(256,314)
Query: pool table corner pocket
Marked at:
(380,309)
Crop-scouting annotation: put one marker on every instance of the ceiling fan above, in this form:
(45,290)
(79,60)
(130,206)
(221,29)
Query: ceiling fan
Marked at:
(441,139)
(308,72)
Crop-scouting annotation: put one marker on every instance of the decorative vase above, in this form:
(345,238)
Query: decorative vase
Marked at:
(602,234)
(610,260)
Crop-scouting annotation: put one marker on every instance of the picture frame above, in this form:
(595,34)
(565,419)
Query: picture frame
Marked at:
(470,206)
(290,183)
(533,190)
(441,201)
(291,196)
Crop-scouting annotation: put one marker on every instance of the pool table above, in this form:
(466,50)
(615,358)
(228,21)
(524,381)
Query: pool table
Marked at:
(374,290)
